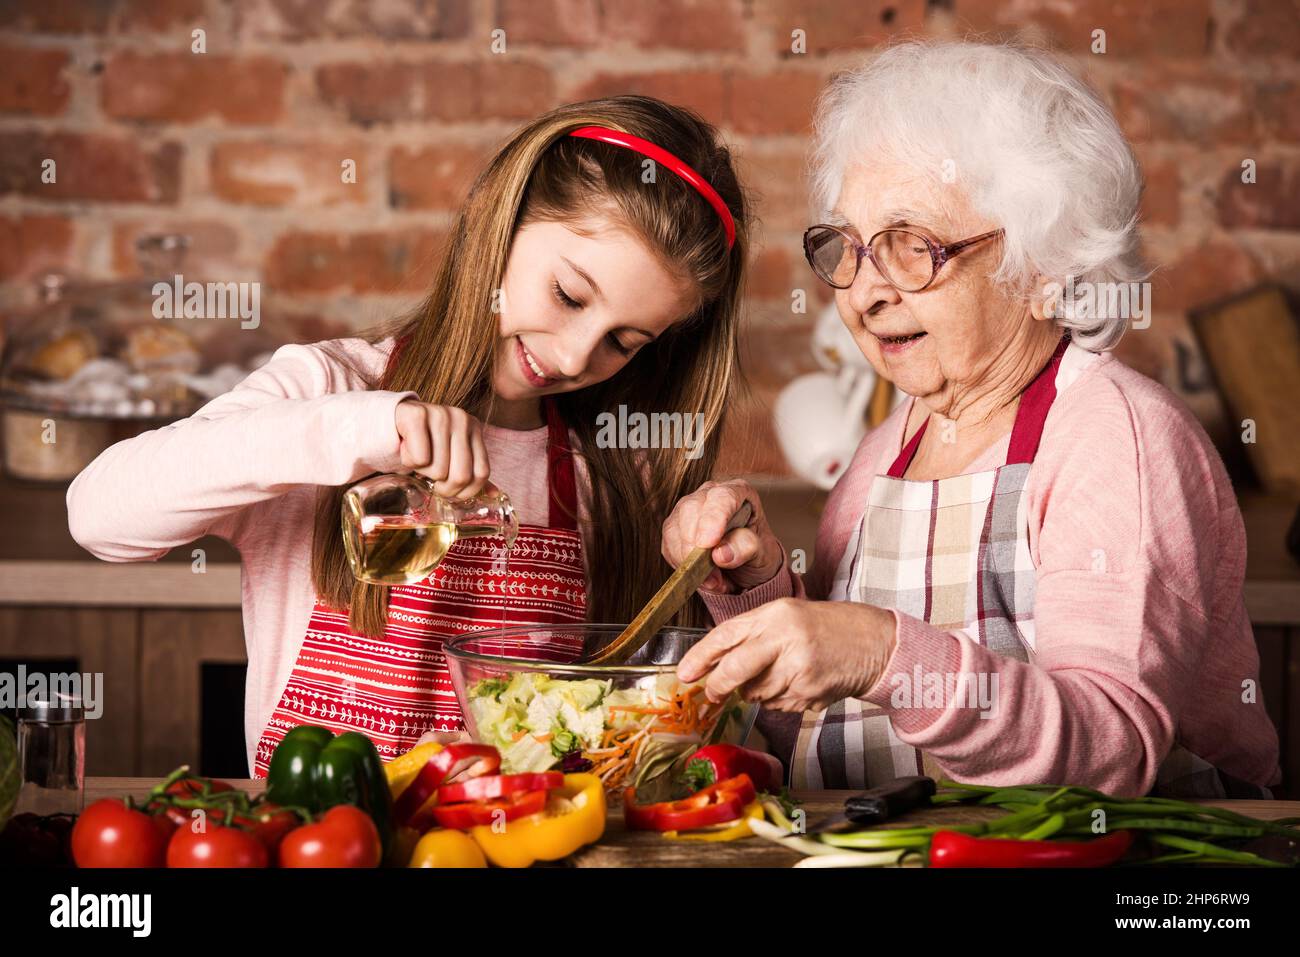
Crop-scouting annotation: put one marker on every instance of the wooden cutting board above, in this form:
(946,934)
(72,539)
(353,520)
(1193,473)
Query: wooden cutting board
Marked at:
(1252,342)
(623,848)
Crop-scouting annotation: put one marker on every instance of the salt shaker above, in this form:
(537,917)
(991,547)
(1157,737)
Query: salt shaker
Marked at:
(52,755)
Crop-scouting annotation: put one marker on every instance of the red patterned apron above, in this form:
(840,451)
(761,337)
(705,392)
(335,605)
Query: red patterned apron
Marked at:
(395,687)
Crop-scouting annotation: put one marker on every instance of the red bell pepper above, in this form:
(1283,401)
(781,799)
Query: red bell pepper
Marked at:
(468,814)
(491,786)
(480,759)
(715,804)
(718,762)
(953,849)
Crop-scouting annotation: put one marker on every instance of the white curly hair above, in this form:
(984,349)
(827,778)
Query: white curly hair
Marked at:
(1034,149)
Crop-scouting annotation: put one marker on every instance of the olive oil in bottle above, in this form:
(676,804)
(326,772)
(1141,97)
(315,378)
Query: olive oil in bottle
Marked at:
(402,550)
(396,530)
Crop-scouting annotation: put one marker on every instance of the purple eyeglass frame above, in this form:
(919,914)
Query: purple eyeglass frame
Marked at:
(939,253)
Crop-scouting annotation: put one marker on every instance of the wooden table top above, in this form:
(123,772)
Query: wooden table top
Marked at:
(623,848)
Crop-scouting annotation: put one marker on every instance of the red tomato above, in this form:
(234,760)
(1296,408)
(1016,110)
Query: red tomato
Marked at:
(193,786)
(215,846)
(189,787)
(110,834)
(344,837)
(271,823)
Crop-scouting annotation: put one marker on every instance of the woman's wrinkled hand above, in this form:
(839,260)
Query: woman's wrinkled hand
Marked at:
(745,557)
(794,655)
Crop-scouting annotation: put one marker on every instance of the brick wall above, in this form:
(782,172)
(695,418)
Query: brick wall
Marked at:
(241,146)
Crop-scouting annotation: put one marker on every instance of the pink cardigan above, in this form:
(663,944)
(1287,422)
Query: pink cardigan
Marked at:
(1154,648)
(245,468)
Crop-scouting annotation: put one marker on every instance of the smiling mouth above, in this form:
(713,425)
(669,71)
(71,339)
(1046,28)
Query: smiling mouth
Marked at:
(531,368)
(532,364)
(895,340)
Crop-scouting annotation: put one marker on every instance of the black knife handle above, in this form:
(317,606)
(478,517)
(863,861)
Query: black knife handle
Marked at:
(889,800)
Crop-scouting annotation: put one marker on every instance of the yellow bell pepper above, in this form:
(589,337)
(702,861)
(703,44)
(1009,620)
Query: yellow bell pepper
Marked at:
(574,817)
(444,848)
(730,832)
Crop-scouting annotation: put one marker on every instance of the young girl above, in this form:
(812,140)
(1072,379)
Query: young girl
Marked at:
(597,262)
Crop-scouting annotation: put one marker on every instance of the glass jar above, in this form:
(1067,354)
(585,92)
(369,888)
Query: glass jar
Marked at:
(52,755)
(396,528)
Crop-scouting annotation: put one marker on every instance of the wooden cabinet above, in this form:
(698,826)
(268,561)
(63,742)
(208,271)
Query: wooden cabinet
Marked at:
(151,628)
(104,640)
(152,662)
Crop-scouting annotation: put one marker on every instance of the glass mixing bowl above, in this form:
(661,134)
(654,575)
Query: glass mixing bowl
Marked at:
(522,690)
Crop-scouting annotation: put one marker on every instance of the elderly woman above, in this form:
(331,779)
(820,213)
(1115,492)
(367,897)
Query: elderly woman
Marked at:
(1032,570)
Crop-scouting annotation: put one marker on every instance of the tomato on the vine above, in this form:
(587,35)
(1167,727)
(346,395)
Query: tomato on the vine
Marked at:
(186,789)
(216,845)
(345,836)
(271,824)
(110,834)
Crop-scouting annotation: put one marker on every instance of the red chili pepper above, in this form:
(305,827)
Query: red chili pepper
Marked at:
(454,758)
(717,762)
(492,786)
(470,814)
(715,804)
(953,849)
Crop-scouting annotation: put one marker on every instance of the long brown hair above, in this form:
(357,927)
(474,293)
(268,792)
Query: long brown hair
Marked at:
(451,339)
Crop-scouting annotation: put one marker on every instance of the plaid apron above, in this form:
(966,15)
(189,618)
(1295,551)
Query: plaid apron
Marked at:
(395,687)
(954,553)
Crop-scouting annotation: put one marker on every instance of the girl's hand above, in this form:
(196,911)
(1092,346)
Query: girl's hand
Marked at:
(745,557)
(445,444)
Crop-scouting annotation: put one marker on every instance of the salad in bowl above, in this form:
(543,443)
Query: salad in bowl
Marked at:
(523,691)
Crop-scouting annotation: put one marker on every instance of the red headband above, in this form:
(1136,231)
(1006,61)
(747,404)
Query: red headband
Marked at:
(660,155)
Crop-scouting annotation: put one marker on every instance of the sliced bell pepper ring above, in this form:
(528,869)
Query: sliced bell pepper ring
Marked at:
(574,816)
(687,815)
(478,759)
(401,771)
(470,814)
(730,831)
(491,786)
(716,804)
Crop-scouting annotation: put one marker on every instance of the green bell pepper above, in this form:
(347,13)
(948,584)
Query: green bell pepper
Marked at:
(315,770)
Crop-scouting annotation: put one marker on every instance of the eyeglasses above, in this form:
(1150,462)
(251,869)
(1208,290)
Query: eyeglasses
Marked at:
(906,260)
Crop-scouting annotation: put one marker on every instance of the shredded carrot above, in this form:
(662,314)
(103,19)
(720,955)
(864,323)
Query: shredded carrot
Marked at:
(687,712)
(623,758)
(518,736)
(543,738)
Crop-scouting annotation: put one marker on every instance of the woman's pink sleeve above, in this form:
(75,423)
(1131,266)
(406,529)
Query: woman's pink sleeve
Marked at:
(1134,527)
(286,424)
